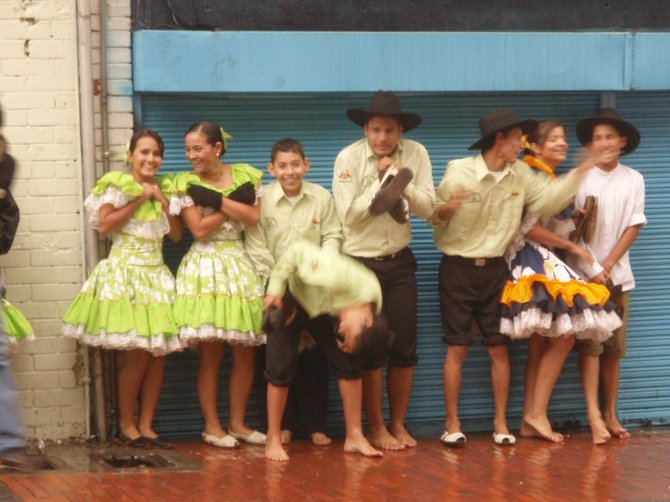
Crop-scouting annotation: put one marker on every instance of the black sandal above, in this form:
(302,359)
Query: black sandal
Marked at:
(159,443)
(139,442)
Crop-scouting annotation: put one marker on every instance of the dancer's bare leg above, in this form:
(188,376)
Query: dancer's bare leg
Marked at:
(609,379)
(549,369)
(355,441)
(399,384)
(210,355)
(239,388)
(589,369)
(130,377)
(378,434)
(453,366)
(500,375)
(277,397)
(536,347)
(149,394)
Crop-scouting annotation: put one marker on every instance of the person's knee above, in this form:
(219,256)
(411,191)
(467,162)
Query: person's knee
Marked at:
(498,353)
(456,354)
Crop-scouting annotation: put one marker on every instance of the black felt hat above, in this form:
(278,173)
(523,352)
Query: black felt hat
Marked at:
(497,120)
(609,116)
(384,103)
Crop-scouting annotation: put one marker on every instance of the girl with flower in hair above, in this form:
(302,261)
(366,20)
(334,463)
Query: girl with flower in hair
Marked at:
(220,295)
(545,301)
(126,302)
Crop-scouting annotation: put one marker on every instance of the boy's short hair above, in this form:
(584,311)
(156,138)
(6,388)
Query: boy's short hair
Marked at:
(287,145)
(377,339)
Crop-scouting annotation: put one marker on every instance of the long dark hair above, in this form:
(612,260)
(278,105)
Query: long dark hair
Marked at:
(144,132)
(209,130)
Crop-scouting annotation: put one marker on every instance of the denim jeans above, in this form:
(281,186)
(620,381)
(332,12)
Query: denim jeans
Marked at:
(11,432)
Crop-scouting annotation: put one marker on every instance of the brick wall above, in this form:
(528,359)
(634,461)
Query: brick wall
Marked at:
(43,272)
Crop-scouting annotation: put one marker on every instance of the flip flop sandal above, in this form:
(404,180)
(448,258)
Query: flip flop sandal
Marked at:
(453,439)
(504,439)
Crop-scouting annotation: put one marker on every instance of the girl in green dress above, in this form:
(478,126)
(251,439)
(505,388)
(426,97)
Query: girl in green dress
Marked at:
(219,294)
(126,303)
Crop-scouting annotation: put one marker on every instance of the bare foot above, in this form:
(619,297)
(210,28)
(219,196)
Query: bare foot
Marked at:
(275,451)
(286,436)
(616,429)
(400,433)
(543,429)
(320,439)
(361,445)
(599,432)
(526,431)
(380,437)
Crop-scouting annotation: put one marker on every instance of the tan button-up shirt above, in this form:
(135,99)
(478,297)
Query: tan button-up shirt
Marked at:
(324,281)
(311,217)
(485,224)
(355,183)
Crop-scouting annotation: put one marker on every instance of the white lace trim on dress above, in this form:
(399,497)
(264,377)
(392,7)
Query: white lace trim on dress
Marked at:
(208,333)
(589,325)
(158,345)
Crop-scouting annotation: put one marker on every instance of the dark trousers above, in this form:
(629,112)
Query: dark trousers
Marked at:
(308,395)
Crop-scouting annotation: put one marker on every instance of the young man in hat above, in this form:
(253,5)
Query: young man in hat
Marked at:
(480,203)
(339,301)
(377,182)
(619,191)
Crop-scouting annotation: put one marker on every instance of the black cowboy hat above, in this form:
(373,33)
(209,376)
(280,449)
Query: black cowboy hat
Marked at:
(384,103)
(609,116)
(497,120)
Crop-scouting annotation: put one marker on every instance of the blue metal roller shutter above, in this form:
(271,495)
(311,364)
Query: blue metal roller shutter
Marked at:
(449,126)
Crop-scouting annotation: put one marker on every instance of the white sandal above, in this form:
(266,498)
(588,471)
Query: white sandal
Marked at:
(504,439)
(225,442)
(254,437)
(453,439)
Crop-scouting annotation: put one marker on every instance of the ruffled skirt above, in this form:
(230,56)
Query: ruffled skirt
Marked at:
(17,328)
(547,297)
(219,295)
(125,306)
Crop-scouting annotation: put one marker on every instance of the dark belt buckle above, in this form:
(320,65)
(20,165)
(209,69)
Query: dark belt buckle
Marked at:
(480,262)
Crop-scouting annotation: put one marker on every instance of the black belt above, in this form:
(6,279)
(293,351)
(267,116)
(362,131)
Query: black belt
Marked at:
(387,257)
(477,262)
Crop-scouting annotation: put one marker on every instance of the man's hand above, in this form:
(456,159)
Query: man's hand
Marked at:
(273,301)
(453,204)
(384,163)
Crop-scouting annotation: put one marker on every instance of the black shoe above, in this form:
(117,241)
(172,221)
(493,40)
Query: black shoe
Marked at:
(391,191)
(399,212)
(19,460)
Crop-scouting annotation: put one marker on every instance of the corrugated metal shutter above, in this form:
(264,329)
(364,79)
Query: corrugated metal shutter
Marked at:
(450,125)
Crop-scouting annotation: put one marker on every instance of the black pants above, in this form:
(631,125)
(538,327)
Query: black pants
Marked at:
(308,395)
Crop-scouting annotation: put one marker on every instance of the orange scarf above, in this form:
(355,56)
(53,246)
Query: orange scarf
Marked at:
(539,165)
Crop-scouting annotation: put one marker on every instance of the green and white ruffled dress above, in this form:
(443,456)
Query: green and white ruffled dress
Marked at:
(15,325)
(219,293)
(126,303)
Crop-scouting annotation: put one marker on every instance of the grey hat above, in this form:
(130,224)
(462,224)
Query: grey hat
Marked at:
(497,120)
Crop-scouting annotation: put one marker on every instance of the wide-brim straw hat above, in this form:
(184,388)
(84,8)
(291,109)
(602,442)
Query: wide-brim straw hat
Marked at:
(609,116)
(498,120)
(384,103)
